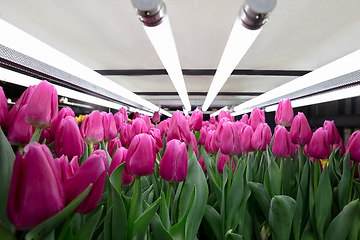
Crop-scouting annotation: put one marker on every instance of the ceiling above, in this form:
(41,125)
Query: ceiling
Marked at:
(107,35)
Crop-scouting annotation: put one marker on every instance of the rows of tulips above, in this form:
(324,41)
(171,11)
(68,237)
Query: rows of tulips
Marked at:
(181,178)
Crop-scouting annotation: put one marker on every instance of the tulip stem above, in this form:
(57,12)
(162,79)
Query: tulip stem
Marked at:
(168,195)
(21,150)
(91,148)
(135,207)
(37,131)
(65,227)
(230,173)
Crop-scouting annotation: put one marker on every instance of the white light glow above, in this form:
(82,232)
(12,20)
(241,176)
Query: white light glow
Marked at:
(240,40)
(26,81)
(20,41)
(344,65)
(218,111)
(186,113)
(162,39)
(162,111)
(237,113)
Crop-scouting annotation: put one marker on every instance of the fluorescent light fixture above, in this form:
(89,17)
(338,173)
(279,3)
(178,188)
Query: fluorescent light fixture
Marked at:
(157,27)
(342,66)
(26,81)
(243,111)
(253,16)
(162,111)
(322,98)
(185,112)
(22,42)
(65,100)
(218,111)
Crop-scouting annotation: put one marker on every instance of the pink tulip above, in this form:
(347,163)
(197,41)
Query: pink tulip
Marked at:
(202,164)
(124,113)
(194,143)
(155,133)
(341,145)
(65,168)
(140,159)
(221,162)
(223,114)
(109,126)
(284,113)
(261,137)
(119,121)
(125,135)
(4,111)
(257,116)
(164,127)
(91,128)
(119,158)
(334,136)
(20,132)
(300,131)
(113,145)
(147,121)
(353,146)
(136,115)
(22,101)
(173,166)
(156,117)
(64,112)
(211,145)
(202,138)
(229,139)
(36,191)
(282,145)
(42,108)
(245,136)
(244,119)
(319,145)
(68,140)
(138,126)
(45,136)
(92,171)
(179,128)
(212,120)
(196,120)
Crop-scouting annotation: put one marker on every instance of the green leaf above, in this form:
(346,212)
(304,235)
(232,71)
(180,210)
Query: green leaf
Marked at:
(345,182)
(164,212)
(275,178)
(232,236)
(135,207)
(119,217)
(298,215)
(323,202)
(341,224)
(85,155)
(7,158)
(5,233)
(116,177)
(45,228)
(281,215)
(87,230)
(262,197)
(142,223)
(212,217)
(158,230)
(214,182)
(288,177)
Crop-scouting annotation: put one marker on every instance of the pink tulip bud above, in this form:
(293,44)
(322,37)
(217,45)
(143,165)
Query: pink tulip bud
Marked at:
(221,162)
(119,121)
(202,164)
(341,145)
(20,132)
(196,120)
(124,113)
(113,145)
(65,168)
(211,145)
(353,145)
(64,112)
(300,131)
(173,166)
(334,136)
(136,115)
(257,116)
(68,140)
(284,113)
(119,158)
(223,114)
(194,143)
(245,136)
(202,138)
(109,125)
(125,135)
(156,117)
(164,127)
(244,119)
(261,137)
(141,156)
(92,171)
(229,139)
(212,120)
(147,121)
(155,133)
(282,145)
(45,136)
(36,191)
(319,145)
(22,101)
(179,128)
(42,108)
(91,128)
(138,126)
(4,111)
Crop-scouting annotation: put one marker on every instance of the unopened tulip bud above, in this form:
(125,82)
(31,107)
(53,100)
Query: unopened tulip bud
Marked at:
(109,126)
(257,116)
(284,113)
(353,146)
(113,145)
(300,131)
(125,135)
(196,120)
(261,137)
(117,160)
(229,139)
(4,111)
(138,126)
(319,145)
(156,117)
(179,128)
(155,133)
(244,119)
(202,138)
(64,112)
(173,166)
(282,145)
(92,128)
(223,159)
(65,168)
(246,135)
(334,136)
(20,131)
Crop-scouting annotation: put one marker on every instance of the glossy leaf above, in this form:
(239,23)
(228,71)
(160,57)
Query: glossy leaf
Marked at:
(158,229)
(119,216)
(281,213)
(142,223)
(87,230)
(164,212)
(232,236)
(261,196)
(212,217)
(344,184)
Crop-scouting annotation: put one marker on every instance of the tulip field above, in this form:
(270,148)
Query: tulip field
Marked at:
(109,177)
